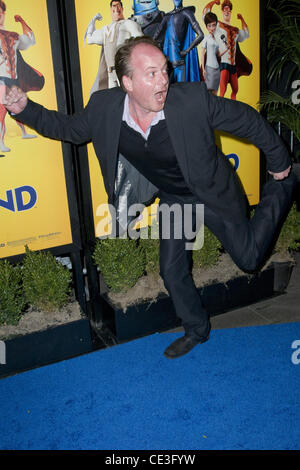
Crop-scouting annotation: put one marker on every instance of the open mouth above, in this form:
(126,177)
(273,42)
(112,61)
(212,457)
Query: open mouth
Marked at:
(161,96)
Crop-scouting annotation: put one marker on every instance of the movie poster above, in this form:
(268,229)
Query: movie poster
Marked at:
(33,199)
(238,37)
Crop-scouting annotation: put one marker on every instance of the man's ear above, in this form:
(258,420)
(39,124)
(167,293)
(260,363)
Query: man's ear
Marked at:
(127,83)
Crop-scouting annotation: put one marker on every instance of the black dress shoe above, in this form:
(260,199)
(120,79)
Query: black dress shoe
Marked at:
(183,346)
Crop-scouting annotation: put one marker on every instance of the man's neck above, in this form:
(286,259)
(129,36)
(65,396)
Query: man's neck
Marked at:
(142,118)
(117,19)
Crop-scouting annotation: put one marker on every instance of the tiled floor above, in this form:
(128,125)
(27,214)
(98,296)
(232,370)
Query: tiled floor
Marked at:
(280,309)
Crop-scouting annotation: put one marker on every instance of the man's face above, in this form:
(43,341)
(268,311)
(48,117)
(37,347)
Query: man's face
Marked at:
(2,17)
(116,11)
(148,86)
(144,6)
(226,13)
(211,27)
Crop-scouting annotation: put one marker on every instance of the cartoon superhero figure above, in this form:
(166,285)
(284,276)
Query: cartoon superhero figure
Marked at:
(14,70)
(211,54)
(147,15)
(110,37)
(182,35)
(233,63)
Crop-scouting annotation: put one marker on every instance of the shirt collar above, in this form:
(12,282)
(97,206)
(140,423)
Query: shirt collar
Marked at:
(131,123)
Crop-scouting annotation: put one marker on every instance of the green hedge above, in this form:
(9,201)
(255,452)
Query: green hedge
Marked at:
(289,238)
(150,246)
(210,253)
(12,301)
(41,283)
(123,261)
(46,282)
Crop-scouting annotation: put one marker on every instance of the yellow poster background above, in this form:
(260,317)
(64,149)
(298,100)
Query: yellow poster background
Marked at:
(33,162)
(249,87)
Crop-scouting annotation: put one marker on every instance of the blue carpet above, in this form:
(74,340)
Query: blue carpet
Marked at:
(238,391)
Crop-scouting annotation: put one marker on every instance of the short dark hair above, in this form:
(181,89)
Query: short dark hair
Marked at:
(2,5)
(123,55)
(210,18)
(113,1)
(226,3)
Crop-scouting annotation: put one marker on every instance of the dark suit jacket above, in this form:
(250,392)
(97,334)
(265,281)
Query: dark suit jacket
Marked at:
(192,115)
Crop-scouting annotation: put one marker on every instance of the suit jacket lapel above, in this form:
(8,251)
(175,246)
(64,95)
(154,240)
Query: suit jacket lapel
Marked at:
(113,129)
(175,124)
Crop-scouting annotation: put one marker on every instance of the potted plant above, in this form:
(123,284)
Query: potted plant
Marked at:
(40,322)
(283,44)
(281,105)
(136,302)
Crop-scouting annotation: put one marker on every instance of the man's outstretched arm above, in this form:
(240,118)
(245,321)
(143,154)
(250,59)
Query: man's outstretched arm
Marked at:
(243,121)
(15,100)
(58,126)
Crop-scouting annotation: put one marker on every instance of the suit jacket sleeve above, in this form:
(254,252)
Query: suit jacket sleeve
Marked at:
(243,121)
(70,128)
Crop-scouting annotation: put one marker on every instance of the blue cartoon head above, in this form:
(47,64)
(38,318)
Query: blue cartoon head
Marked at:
(141,7)
(177,3)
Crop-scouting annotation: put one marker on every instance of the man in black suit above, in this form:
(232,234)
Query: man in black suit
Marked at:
(152,138)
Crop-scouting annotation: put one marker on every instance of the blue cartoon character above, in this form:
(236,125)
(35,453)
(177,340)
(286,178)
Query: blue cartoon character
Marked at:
(147,15)
(182,35)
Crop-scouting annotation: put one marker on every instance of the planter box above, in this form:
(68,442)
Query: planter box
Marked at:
(75,338)
(154,316)
(45,347)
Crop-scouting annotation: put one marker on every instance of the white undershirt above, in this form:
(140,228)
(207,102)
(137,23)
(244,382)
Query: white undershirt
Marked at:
(160,115)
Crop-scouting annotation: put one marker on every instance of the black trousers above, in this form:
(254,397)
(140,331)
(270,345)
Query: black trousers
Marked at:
(247,241)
